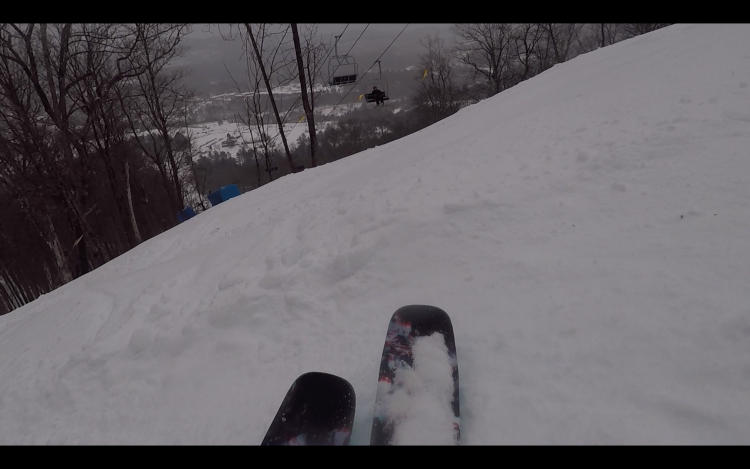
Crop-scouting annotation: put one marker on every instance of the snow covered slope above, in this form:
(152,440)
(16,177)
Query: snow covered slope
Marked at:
(587,231)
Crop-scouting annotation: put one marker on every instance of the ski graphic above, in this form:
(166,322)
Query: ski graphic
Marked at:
(417,398)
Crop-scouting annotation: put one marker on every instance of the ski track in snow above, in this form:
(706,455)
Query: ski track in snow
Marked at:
(586,230)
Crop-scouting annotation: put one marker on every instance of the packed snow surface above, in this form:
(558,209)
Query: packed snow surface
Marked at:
(586,230)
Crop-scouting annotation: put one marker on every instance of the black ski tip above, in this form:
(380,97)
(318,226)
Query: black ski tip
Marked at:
(318,410)
(410,311)
(424,318)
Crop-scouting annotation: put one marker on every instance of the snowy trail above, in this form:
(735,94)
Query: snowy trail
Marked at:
(586,230)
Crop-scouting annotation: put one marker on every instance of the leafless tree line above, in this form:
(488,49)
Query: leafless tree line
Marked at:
(92,124)
(497,56)
(277,55)
(95,147)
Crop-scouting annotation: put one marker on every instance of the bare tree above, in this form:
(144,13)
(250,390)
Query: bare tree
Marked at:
(558,41)
(303,92)
(256,118)
(525,41)
(35,175)
(194,197)
(436,91)
(65,162)
(96,98)
(485,48)
(258,42)
(314,52)
(260,143)
(44,55)
(73,70)
(610,33)
(23,179)
(636,29)
(155,105)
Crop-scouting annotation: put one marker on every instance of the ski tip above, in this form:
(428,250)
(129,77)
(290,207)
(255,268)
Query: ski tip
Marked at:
(319,375)
(421,309)
(318,409)
(422,314)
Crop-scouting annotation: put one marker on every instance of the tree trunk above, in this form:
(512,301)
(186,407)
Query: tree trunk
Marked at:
(120,198)
(85,265)
(129,196)
(270,97)
(54,245)
(305,102)
(13,301)
(257,163)
(6,295)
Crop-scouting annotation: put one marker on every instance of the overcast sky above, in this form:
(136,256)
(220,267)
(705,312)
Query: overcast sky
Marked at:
(211,59)
(206,30)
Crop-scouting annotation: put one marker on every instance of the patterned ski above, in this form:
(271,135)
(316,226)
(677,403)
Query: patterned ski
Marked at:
(417,396)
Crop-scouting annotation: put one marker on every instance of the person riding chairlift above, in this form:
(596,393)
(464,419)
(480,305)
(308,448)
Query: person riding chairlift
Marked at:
(378,96)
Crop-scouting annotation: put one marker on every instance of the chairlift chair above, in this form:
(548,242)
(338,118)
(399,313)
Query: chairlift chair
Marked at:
(380,82)
(342,69)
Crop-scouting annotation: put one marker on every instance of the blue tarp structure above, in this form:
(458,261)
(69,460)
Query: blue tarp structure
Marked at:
(223,194)
(186,213)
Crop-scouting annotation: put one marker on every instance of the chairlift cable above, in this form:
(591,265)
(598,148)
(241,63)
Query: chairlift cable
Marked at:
(328,80)
(368,71)
(363,75)
(347,53)
(360,35)
(322,62)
